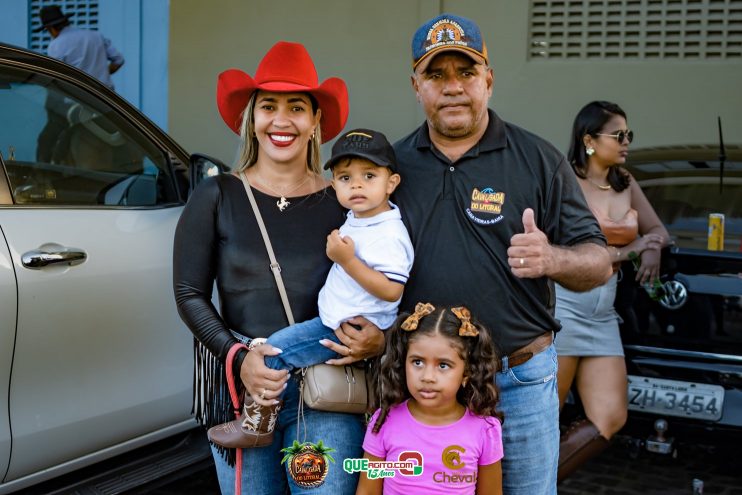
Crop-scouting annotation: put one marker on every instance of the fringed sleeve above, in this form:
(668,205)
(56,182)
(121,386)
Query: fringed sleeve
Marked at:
(194,271)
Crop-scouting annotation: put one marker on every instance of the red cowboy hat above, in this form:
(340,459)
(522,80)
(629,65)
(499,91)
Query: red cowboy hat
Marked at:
(286,68)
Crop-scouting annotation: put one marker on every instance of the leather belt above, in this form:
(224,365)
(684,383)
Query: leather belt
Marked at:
(522,355)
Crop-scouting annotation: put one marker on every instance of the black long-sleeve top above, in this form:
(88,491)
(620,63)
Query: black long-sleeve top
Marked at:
(217,239)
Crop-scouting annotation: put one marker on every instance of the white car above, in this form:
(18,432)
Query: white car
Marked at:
(94,359)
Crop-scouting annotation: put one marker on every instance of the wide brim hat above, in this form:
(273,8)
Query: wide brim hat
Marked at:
(286,68)
(51,16)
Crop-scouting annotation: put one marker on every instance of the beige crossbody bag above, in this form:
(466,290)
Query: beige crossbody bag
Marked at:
(324,387)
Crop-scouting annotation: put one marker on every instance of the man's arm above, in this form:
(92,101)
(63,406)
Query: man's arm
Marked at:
(579,268)
(115,59)
(341,250)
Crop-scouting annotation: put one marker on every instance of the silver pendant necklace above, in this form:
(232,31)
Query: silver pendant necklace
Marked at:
(282,203)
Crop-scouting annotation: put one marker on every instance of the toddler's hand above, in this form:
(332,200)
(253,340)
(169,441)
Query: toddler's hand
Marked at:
(340,249)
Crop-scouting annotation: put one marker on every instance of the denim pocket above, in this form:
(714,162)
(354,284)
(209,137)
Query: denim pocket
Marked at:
(541,368)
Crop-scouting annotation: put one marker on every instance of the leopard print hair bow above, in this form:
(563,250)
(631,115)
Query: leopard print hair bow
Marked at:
(467,328)
(421,310)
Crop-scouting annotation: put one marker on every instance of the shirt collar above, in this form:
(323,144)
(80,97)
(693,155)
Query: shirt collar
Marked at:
(392,214)
(494,136)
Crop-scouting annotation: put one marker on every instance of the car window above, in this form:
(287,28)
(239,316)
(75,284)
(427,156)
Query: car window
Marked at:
(684,193)
(63,146)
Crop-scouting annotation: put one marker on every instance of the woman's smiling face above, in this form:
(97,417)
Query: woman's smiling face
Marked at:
(284,124)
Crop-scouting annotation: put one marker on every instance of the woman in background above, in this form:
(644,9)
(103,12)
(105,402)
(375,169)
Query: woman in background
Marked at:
(589,344)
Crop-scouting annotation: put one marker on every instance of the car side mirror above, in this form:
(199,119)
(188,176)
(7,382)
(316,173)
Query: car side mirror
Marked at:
(203,166)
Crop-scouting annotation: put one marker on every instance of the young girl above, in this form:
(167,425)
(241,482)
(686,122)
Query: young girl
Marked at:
(444,420)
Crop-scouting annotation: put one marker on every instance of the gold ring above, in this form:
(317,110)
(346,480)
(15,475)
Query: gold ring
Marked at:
(522,262)
(350,351)
(262,395)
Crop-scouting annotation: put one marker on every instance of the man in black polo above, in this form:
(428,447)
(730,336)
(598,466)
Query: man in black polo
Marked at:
(495,214)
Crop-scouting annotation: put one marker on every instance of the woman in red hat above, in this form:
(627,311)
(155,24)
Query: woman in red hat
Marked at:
(282,115)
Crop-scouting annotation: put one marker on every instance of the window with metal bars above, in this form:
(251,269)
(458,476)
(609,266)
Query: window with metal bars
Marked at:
(635,29)
(84,15)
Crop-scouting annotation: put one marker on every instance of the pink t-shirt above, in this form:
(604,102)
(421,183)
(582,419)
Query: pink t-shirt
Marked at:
(451,453)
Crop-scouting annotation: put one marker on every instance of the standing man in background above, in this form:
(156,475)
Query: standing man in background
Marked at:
(87,50)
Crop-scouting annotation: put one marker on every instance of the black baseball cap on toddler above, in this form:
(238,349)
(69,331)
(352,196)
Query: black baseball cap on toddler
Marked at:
(364,143)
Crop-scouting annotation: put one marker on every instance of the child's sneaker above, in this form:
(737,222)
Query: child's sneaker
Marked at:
(253,429)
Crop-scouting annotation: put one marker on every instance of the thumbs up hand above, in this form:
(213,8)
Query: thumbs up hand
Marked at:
(530,255)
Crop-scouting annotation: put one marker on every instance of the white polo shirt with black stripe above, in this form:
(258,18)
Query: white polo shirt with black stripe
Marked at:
(383,244)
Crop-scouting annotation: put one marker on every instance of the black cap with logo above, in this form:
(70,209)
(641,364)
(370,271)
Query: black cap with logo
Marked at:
(364,143)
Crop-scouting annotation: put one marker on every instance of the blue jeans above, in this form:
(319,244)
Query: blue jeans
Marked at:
(262,471)
(530,405)
(300,345)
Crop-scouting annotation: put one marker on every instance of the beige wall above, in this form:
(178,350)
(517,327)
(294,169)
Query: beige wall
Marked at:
(368,45)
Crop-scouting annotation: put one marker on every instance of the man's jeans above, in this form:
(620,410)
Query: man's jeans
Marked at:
(300,345)
(530,405)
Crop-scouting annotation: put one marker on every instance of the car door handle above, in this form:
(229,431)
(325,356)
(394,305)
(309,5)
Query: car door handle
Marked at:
(39,258)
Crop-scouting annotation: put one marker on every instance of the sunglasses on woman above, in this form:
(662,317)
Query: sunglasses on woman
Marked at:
(620,135)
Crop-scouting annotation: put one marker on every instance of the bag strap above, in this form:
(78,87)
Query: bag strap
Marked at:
(275,267)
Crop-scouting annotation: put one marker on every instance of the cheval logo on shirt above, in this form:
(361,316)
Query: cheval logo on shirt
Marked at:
(451,457)
(486,206)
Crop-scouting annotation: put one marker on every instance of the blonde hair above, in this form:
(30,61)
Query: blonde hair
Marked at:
(249,145)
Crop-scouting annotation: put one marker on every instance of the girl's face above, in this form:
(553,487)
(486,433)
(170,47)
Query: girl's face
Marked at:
(284,123)
(435,371)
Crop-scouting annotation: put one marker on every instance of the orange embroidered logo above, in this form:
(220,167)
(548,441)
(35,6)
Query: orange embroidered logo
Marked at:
(452,457)
(487,201)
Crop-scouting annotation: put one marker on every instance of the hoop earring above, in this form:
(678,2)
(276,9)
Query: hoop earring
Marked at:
(589,151)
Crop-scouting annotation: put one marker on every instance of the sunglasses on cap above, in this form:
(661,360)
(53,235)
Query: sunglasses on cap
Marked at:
(620,135)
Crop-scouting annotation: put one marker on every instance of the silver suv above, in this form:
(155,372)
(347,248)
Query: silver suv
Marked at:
(94,360)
